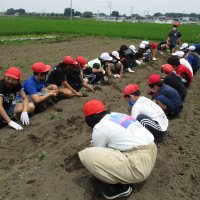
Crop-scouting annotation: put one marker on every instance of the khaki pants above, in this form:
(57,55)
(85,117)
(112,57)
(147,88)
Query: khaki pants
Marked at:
(113,166)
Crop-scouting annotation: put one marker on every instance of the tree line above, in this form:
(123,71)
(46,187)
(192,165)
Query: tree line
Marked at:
(89,14)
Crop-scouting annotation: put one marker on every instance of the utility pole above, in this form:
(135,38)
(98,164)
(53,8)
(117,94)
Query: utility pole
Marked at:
(109,6)
(71,9)
(131,14)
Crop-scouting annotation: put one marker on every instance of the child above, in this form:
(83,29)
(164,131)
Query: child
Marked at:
(9,86)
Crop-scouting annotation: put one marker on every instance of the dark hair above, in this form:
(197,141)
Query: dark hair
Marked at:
(96,65)
(41,73)
(159,84)
(173,60)
(123,47)
(92,120)
(137,93)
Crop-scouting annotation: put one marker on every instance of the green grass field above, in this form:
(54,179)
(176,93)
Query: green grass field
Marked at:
(15,26)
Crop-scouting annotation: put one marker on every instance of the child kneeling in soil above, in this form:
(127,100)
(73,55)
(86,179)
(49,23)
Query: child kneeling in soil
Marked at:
(35,86)
(9,86)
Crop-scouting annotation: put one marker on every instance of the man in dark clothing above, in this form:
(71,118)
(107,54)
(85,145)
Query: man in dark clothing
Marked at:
(173,80)
(174,37)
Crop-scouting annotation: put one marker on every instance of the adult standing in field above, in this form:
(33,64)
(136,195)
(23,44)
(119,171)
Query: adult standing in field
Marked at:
(171,79)
(147,112)
(58,77)
(123,150)
(35,86)
(9,86)
(165,96)
(97,68)
(174,37)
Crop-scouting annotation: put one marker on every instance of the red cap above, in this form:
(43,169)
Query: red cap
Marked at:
(93,107)
(40,67)
(153,45)
(82,61)
(167,68)
(154,78)
(13,72)
(175,24)
(130,89)
(69,60)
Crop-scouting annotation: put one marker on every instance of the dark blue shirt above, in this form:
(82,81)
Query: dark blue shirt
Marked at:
(194,61)
(171,94)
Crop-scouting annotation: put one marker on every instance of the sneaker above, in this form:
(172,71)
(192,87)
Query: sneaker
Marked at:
(154,59)
(116,191)
(130,70)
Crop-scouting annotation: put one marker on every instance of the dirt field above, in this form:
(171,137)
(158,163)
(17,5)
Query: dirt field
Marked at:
(40,162)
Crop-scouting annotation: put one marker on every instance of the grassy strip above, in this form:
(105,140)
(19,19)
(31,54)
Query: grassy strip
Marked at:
(38,26)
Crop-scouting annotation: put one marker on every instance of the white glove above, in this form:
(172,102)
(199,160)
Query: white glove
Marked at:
(103,71)
(15,125)
(24,118)
(116,75)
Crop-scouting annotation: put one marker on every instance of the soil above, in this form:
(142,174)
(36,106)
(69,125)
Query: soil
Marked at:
(41,163)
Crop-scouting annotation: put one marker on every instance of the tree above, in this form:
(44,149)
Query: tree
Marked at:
(67,12)
(10,11)
(77,13)
(115,14)
(87,14)
(158,14)
(20,11)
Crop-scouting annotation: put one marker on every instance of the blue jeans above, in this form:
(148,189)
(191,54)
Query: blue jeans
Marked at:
(9,111)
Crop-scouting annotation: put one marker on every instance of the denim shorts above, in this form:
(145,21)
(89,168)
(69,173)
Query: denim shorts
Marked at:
(9,111)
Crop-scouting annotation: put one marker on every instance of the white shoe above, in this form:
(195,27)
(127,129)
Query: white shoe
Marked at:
(138,62)
(154,59)
(130,70)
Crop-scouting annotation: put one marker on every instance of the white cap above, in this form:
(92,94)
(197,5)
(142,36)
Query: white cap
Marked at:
(142,46)
(180,54)
(184,46)
(115,54)
(191,48)
(145,42)
(105,56)
(132,47)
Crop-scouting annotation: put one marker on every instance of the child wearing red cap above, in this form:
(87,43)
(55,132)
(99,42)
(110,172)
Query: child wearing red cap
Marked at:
(171,79)
(181,70)
(35,86)
(123,151)
(82,64)
(165,96)
(147,112)
(9,86)
(67,76)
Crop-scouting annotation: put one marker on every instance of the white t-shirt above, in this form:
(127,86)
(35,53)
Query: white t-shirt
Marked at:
(149,108)
(184,62)
(120,131)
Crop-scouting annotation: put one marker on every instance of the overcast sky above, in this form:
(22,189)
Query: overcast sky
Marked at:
(123,6)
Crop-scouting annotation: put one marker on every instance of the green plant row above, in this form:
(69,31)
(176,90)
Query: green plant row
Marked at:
(148,31)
